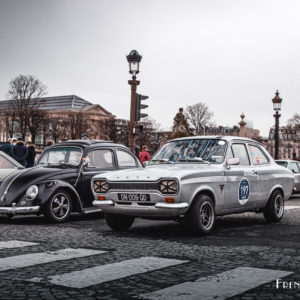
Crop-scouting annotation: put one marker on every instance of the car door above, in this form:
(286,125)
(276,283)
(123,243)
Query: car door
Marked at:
(264,171)
(294,167)
(126,160)
(239,179)
(98,161)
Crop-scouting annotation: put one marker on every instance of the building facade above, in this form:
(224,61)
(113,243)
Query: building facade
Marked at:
(63,117)
(289,143)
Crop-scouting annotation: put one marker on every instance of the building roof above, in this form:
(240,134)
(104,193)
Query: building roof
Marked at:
(53,103)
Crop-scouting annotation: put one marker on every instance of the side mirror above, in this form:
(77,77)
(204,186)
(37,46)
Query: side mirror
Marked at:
(145,163)
(85,161)
(233,161)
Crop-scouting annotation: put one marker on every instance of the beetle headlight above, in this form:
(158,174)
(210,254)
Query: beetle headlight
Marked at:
(32,192)
(101,186)
(168,187)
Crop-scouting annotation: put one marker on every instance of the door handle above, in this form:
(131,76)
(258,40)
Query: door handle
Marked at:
(254,172)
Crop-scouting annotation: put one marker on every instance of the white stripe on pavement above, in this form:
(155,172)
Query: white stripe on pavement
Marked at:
(15,244)
(220,286)
(32,259)
(291,207)
(109,272)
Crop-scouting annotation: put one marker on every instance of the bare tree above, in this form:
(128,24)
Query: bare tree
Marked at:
(25,91)
(36,122)
(150,126)
(294,122)
(198,115)
(77,125)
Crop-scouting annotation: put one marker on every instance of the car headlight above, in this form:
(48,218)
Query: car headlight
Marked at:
(168,187)
(32,192)
(101,186)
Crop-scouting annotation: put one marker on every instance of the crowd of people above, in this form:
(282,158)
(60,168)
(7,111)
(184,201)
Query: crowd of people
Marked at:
(23,154)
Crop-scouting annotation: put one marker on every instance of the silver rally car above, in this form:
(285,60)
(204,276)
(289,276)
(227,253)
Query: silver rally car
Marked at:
(194,179)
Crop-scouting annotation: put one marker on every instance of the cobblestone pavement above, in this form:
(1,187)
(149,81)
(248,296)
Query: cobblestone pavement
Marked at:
(241,259)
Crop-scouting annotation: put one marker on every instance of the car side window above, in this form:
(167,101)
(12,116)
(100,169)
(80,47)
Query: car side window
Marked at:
(125,159)
(5,163)
(294,167)
(240,151)
(257,156)
(100,159)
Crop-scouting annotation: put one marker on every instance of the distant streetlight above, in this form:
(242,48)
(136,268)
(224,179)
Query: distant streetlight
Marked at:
(277,107)
(134,59)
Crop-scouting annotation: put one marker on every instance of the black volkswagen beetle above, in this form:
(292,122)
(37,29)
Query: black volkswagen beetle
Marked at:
(61,180)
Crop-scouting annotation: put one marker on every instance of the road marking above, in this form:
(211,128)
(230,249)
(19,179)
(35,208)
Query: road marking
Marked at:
(15,244)
(32,259)
(220,286)
(291,207)
(109,272)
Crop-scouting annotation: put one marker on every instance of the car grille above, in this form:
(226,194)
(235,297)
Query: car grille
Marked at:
(139,186)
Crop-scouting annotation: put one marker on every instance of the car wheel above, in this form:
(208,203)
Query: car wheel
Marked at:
(201,216)
(59,206)
(274,209)
(119,222)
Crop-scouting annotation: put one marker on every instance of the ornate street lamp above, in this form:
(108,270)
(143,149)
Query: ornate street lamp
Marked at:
(277,107)
(134,59)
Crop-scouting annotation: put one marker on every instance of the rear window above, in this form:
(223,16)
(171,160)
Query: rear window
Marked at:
(282,163)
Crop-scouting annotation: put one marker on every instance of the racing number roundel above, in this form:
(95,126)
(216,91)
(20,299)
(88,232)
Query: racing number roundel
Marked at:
(244,191)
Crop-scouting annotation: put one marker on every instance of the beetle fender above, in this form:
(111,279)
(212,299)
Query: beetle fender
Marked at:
(47,188)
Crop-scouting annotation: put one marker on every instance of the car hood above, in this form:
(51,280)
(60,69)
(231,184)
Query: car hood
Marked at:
(156,172)
(16,184)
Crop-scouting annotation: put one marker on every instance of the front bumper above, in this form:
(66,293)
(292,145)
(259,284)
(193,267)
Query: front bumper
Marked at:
(14,210)
(159,209)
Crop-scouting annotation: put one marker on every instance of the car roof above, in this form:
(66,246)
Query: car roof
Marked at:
(87,143)
(223,137)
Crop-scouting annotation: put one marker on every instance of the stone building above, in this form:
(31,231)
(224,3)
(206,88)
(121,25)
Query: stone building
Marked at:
(289,143)
(65,117)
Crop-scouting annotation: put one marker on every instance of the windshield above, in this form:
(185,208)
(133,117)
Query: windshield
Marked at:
(61,155)
(192,150)
(282,163)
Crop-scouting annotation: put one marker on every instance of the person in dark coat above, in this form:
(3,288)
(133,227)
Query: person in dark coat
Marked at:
(7,146)
(31,155)
(19,152)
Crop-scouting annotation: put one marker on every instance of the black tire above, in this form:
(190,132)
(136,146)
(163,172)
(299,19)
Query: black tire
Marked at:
(200,218)
(59,207)
(274,209)
(119,222)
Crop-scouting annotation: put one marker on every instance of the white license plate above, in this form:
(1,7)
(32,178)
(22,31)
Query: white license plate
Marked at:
(133,197)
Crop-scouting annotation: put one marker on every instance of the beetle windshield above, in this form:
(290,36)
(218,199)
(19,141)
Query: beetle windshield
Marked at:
(191,150)
(61,156)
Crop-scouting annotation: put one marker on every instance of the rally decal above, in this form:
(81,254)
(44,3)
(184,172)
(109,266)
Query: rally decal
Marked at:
(244,191)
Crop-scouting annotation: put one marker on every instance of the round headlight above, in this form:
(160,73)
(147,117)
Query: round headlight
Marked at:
(32,192)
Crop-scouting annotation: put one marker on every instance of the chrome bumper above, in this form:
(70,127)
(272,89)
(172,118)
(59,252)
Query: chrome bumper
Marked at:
(159,209)
(19,210)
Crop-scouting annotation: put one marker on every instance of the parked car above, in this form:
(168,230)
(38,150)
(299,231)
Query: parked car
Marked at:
(8,165)
(195,179)
(60,181)
(294,166)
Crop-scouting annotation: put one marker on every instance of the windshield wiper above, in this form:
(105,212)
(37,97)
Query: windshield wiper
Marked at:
(163,160)
(194,159)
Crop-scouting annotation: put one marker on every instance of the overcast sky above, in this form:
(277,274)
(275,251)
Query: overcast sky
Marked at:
(232,55)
